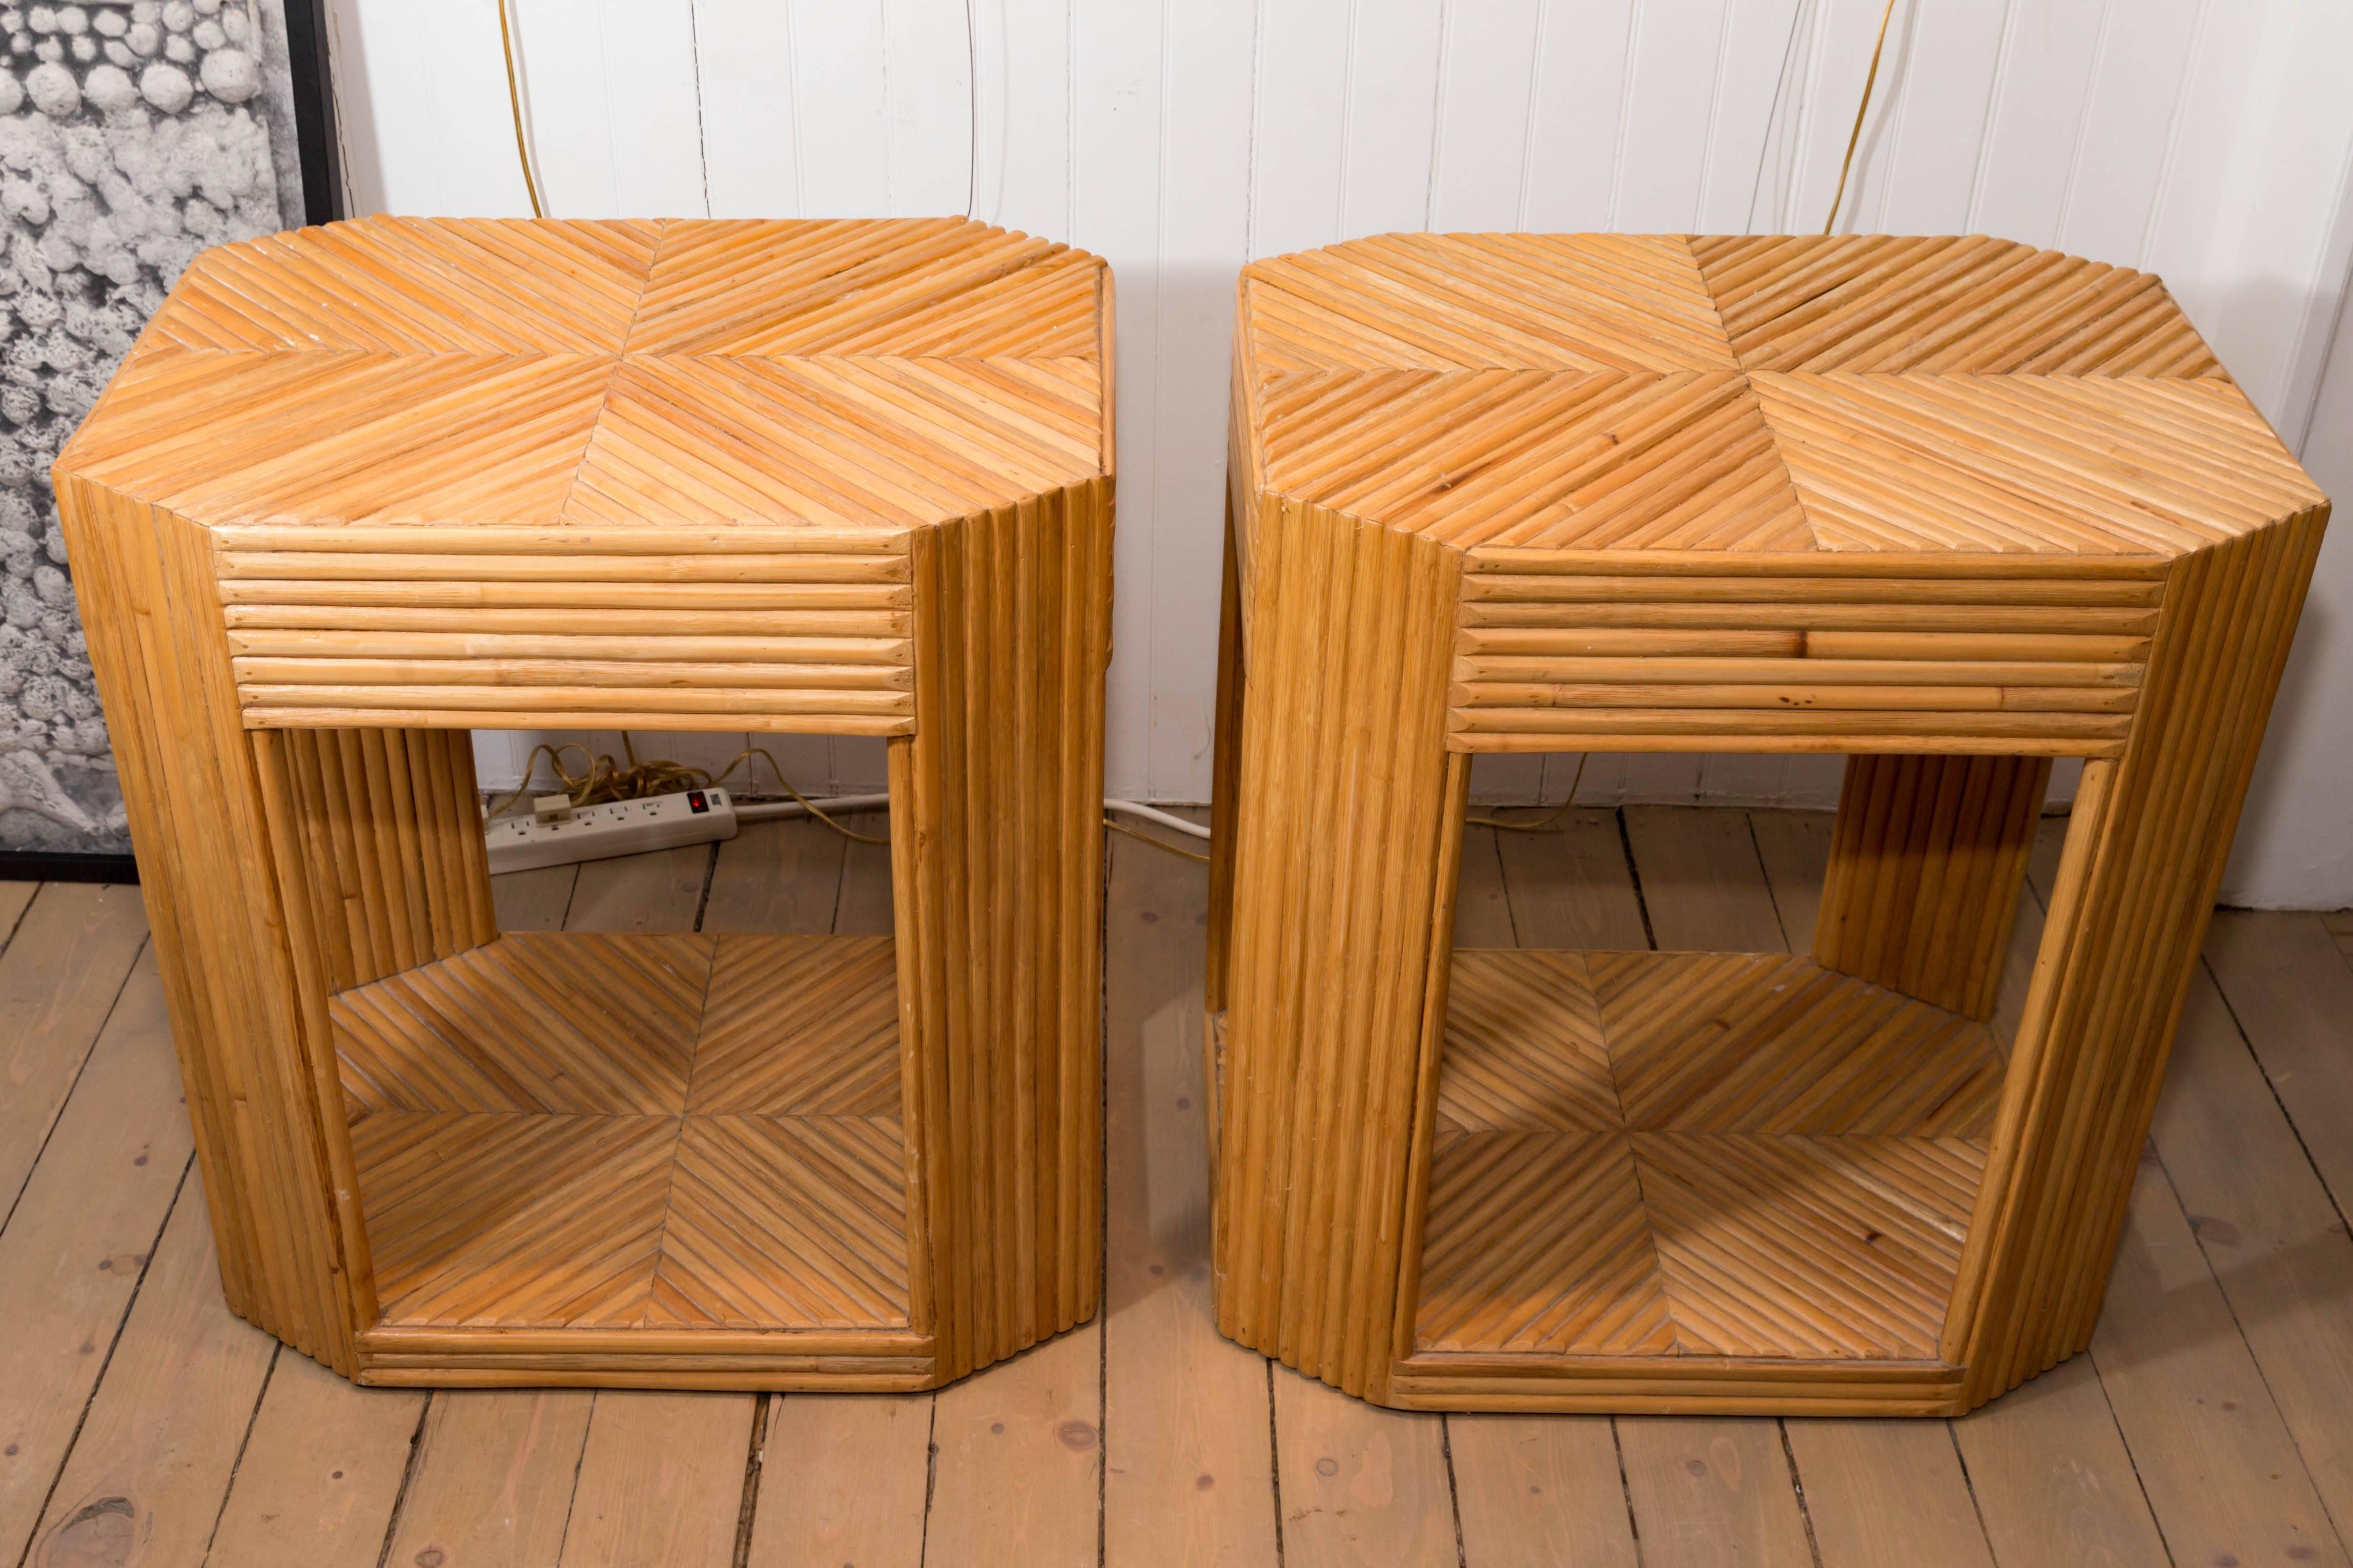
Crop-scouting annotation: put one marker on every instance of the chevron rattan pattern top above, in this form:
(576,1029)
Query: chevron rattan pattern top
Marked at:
(842,374)
(1766,394)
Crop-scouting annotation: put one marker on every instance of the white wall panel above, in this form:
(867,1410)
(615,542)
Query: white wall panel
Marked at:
(2209,139)
(653,107)
(1507,779)
(751,131)
(1486,91)
(422,96)
(560,52)
(615,105)
(1779,165)
(2271,283)
(2121,152)
(1395,51)
(1581,53)
(1203,206)
(1299,107)
(1748,103)
(1940,114)
(1836,49)
(2048,55)
(1025,113)
(1662,162)
(842,106)
(1116,145)
(929,48)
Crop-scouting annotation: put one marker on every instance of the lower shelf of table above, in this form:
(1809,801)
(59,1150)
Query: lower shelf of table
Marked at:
(1714,1176)
(604,1153)
(1710,1154)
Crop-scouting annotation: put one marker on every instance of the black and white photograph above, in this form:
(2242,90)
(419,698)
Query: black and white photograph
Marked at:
(133,133)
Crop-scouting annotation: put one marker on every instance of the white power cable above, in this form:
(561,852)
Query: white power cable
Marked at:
(1130,808)
(777,810)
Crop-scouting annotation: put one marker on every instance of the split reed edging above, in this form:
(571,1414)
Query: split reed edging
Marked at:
(1953,508)
(830,477)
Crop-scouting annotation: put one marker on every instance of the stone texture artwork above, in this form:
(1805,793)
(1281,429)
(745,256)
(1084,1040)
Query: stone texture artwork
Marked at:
(132,134)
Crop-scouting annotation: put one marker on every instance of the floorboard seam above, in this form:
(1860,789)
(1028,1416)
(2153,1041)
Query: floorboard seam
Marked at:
(1453,1495)
(2263,1374)
(18,923)
(1798,1490)
(80,1068)
(1749,822)
(2287,1116)
(1625,1488)
(1634,874)
(64,1457)
(755,1460)
(579,1462)
(408,1476)
(931,1476)
(1275,1456)
(1102,1213)
(245,1441)
(2124,1443)
(1969,1484)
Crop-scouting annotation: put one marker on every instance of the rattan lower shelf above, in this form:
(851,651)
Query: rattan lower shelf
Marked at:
(1690,1164)
(1711,1154)
(635,1134)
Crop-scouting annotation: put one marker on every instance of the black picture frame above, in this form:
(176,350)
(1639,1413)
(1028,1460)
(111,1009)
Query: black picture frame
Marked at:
(65,865)
(320,154)
(315,139)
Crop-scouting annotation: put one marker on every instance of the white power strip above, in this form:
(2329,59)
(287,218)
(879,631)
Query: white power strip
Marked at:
(563,833)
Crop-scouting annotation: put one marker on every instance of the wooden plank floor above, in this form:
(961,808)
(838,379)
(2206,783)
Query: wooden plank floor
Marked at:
(141,1424)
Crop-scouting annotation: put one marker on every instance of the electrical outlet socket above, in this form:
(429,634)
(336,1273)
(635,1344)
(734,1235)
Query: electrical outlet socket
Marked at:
(617,828)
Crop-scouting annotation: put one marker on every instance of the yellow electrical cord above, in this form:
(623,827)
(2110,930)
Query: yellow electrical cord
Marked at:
(1855,137)
(1155,843)
(1541,823)
(514,103)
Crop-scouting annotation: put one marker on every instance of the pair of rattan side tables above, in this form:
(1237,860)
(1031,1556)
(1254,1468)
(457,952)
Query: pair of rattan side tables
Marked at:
(1953,508)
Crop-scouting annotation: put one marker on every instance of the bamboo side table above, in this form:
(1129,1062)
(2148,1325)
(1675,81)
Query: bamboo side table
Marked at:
(362,488)
(1950,507)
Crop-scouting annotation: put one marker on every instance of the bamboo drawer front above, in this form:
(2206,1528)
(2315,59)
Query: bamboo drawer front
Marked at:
(1950,507)
(363,487)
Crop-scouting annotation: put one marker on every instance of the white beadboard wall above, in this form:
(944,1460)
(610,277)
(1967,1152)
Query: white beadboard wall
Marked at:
(2208,140)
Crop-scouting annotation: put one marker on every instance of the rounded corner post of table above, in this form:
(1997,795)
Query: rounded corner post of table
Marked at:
(2135,891)
(1420,410)
(998,899)
(248,1013)
(1342,727)
(301,785)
